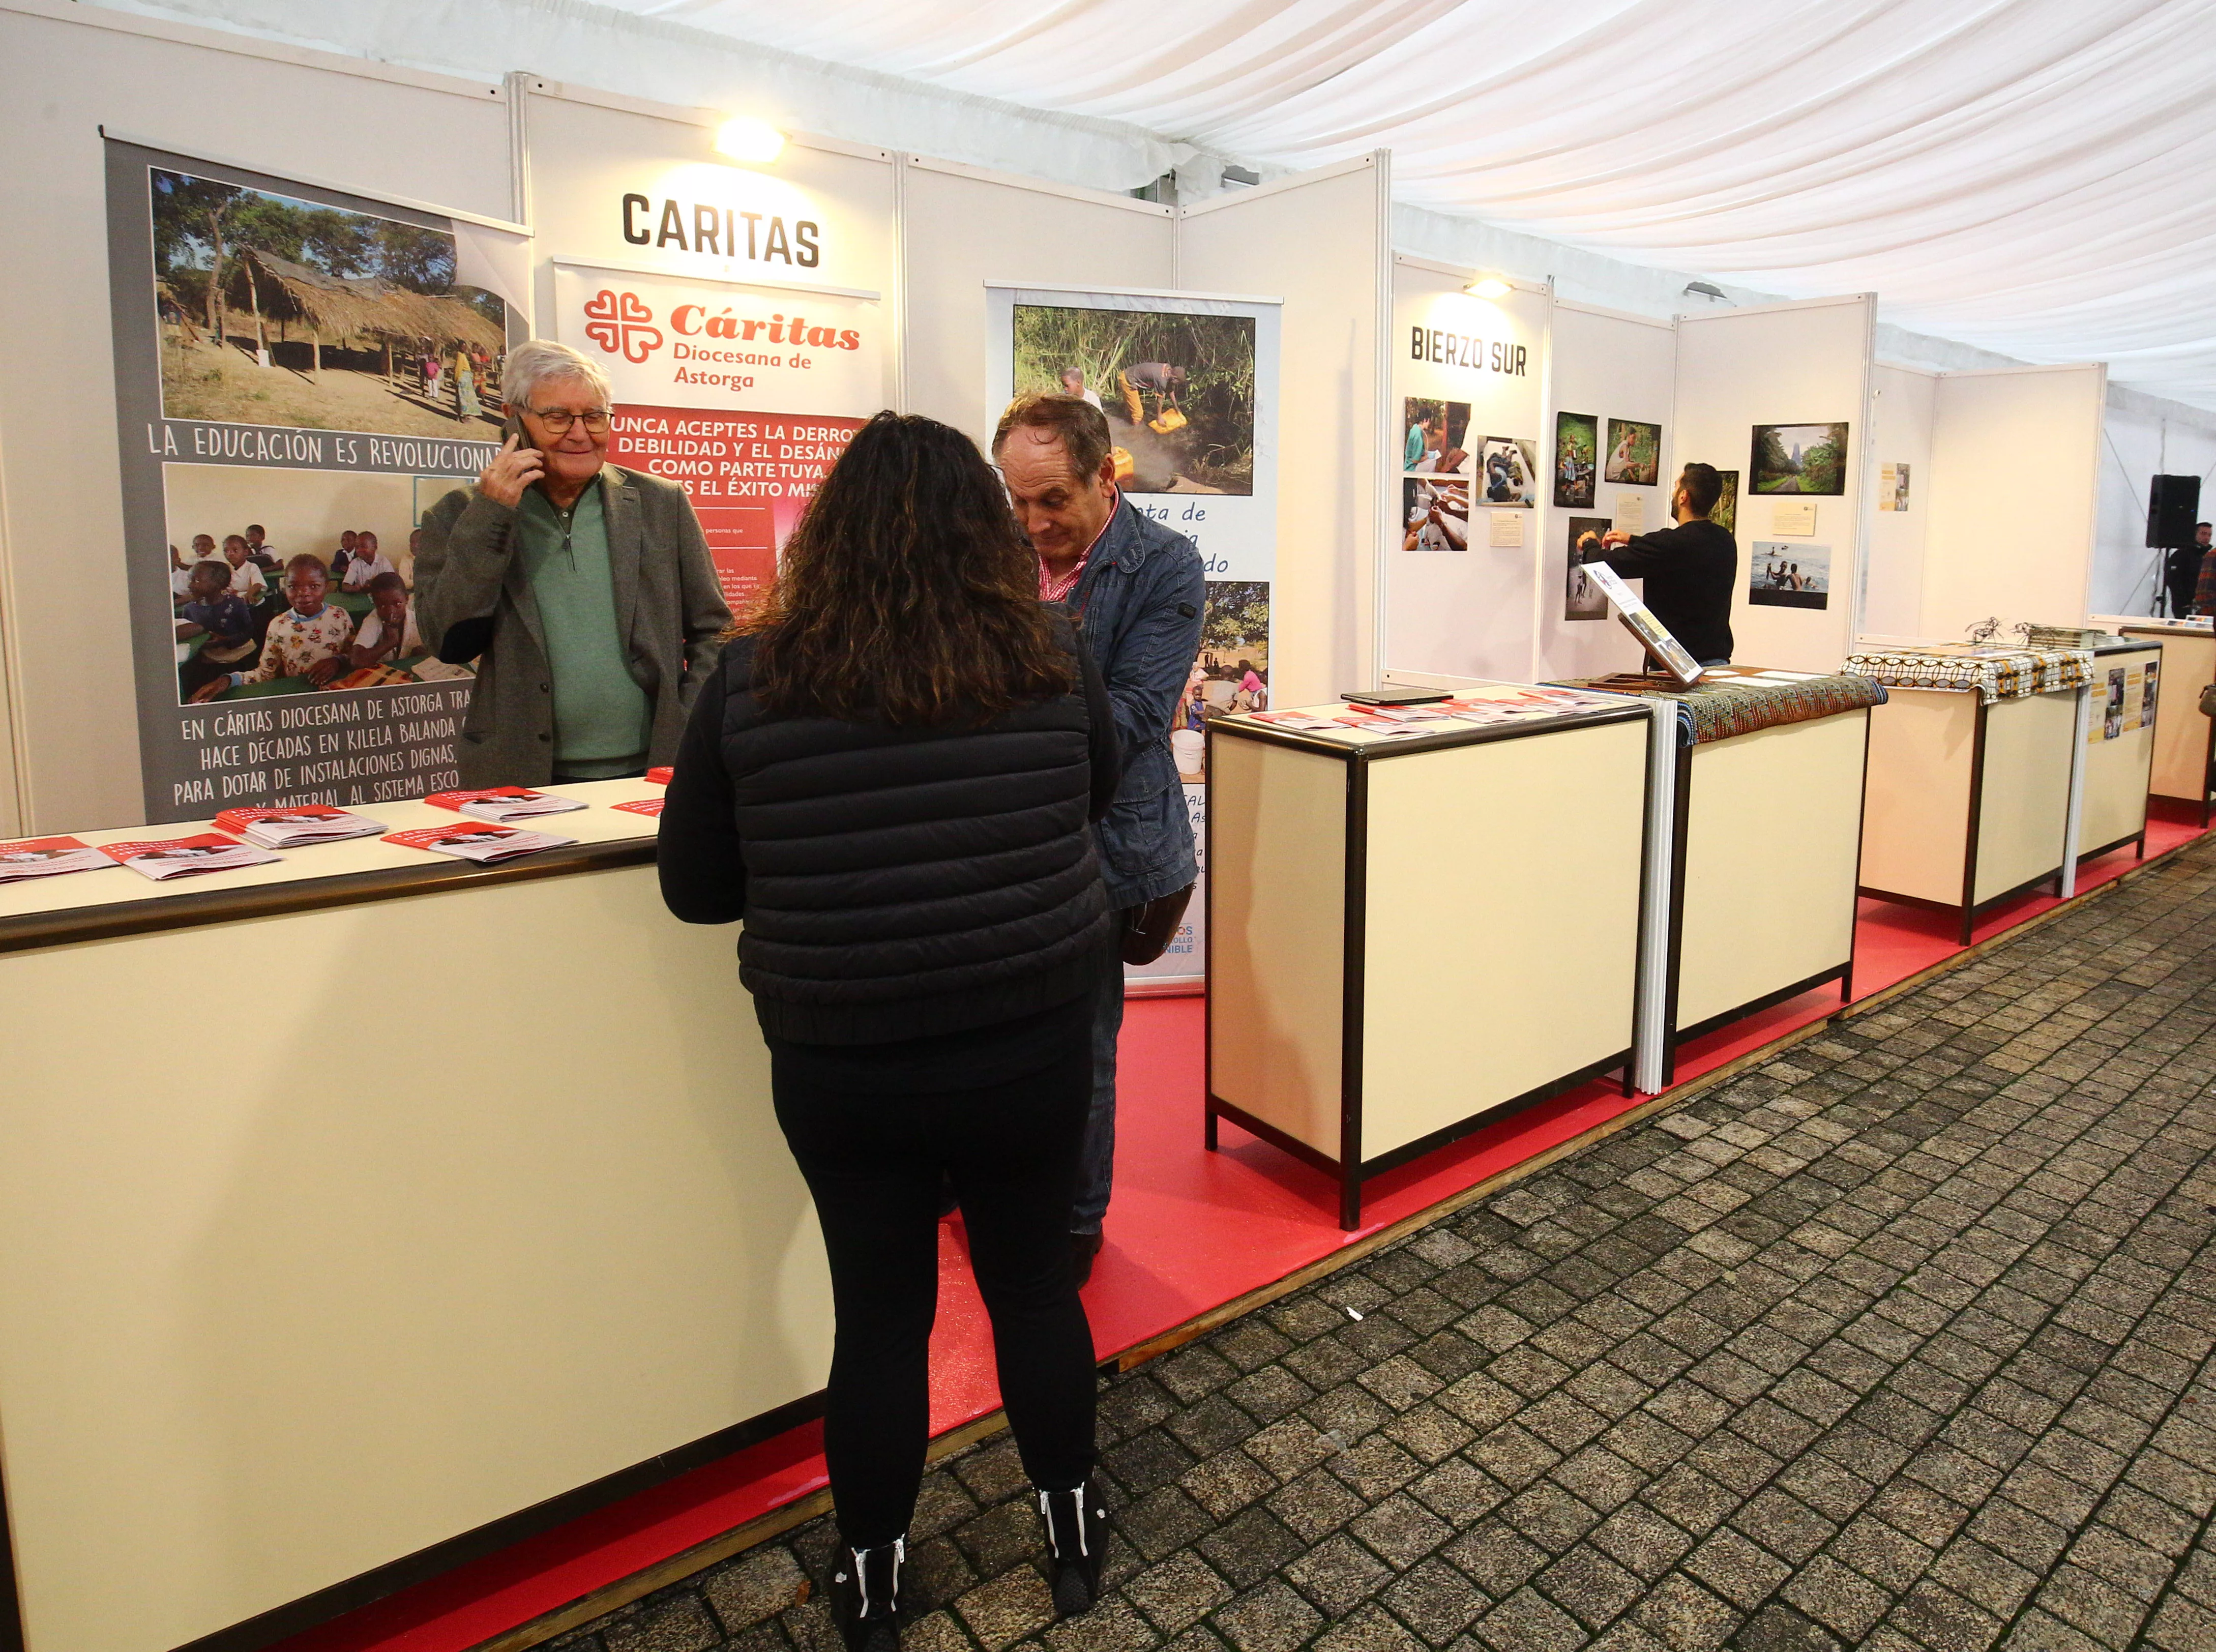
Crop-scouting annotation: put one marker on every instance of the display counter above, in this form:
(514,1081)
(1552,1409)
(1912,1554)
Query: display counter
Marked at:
(1416,928)
(1971,763)
(2182,764)
(1764,837)
(369,1209)
(2117,753)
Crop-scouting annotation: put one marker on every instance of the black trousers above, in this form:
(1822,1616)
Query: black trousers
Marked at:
(873,1159)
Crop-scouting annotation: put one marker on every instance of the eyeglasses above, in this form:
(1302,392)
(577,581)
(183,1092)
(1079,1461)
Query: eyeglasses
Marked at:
(560,419)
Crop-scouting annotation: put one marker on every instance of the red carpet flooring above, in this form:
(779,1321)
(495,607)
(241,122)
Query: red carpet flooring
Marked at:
(1189,1230)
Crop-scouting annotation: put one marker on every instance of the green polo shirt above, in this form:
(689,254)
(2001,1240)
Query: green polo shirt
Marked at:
(602,717)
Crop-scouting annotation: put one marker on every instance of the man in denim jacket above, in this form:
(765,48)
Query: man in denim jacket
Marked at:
(1137,590)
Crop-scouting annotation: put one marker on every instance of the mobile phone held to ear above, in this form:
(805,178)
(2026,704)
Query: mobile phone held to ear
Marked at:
(512,426)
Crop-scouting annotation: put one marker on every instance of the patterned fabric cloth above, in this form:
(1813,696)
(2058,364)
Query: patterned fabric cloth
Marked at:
(1994,673)
(1735,705)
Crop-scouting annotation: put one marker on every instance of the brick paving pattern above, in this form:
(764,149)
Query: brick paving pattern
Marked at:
(1901,1340)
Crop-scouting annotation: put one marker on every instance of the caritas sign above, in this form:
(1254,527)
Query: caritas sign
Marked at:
(744,395)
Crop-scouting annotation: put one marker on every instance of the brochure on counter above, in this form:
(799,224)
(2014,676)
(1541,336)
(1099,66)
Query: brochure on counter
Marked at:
(660,776)
(642,806)
(485,843)
(504,802)
(47,857)
(286,829)
(188,857)
(1510,704)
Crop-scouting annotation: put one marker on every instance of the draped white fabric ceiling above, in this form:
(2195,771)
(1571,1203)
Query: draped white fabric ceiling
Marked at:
(2029,176)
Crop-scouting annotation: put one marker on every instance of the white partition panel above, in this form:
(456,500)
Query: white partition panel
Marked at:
(1317,241)
(1903,403)
(1458,572)
(2016,464)
(1607,365)
(961,227)
(1795,365)
(384,132)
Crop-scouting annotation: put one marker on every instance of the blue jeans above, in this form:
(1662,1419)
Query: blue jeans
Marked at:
(1705,664)
(1096,1162)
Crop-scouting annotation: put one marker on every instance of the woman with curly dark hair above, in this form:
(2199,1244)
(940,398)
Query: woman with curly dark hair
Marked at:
(891,778)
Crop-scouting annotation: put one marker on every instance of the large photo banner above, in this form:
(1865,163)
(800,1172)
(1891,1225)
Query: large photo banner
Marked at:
(743,394)
(301,375)
(1189,385)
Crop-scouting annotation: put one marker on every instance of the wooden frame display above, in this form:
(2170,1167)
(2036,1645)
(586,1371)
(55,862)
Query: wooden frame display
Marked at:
(1781,808)
(1409,939)
(1966,804)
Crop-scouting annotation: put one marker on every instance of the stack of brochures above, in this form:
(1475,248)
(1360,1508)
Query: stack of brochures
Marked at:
(504,802)
(47,857)
(483,843)
(307,822)
(188,857)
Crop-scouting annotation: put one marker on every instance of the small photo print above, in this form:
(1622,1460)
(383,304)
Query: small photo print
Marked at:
(1786,574)
(1726,514)
(2112,716)
(1576,453)
(1231,673)
(1582,596)
(1437,436)
(1634,453)
(1799,459)
(1434,514)
(1893,487)
(1508,473)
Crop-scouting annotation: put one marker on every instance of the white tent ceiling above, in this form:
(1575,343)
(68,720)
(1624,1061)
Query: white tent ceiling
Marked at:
(2029,176)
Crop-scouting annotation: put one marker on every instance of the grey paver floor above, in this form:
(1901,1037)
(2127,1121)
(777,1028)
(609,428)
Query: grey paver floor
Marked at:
(1901,1340)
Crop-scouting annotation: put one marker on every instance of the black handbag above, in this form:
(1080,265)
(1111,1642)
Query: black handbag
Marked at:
(1149,930)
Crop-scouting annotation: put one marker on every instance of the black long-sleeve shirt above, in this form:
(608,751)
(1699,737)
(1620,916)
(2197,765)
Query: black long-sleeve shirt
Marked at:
(1690,570)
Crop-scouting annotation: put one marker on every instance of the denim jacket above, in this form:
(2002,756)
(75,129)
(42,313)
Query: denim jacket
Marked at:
(1139,605)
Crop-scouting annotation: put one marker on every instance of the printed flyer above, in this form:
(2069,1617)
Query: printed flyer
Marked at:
(744,395)
(301,375)
(1189,387)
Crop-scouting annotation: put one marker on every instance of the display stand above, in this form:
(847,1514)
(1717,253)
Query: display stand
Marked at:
(2183,760)
(1967,802)
(2112,810)
(1412,935)
(1768,796)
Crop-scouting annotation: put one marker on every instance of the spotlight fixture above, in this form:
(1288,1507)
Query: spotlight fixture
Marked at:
(745,138)
(1702,290)
(1488,287)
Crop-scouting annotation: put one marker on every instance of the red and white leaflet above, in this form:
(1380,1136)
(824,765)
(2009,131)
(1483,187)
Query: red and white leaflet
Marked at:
(307,822)
(657,777)
(1299,720)
(188,857)
(477,842)
(500,803)
(1409,714)
(642,806)
(47,857)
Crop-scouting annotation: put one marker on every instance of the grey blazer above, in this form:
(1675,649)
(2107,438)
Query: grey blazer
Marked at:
(669,608)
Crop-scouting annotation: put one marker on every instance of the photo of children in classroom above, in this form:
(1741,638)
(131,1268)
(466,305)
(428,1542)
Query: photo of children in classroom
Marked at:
(286,582)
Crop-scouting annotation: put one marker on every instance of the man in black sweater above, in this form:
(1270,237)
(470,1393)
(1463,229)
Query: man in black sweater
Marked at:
(1690,569)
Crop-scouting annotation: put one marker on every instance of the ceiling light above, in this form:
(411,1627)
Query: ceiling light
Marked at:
(745,138)
(1489,287)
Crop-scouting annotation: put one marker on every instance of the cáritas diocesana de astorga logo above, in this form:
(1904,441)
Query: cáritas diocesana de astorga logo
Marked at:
(622,323)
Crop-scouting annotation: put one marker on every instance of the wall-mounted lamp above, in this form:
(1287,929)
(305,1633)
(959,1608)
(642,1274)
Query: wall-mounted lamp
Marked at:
(1702,290)
(745,138)
(1488,287)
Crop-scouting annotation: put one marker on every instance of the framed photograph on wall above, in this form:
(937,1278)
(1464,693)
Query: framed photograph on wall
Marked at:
(1582,596)
(1786,574)
(1799,459)
(1438,435)
(1577,455)
(1508,473)
(1634,453)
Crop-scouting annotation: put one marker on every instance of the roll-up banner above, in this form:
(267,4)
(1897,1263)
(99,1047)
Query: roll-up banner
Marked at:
(300,374)
(1189,384)
(743,394)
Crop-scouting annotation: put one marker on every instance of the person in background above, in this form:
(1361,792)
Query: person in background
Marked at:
(365,565)
(263,554)
(584,591)
(180,567)
(1073,383)
(212,610)
(2203,599)
(1254,693)
(1136,590)
(1156,378)
(1690,569)
(889,778)
(308,640)
(407,557)
(1417,444)
(348,540)
(246,580)
(387,632)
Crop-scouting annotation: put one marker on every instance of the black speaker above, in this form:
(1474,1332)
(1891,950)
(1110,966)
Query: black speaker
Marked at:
(2173,508)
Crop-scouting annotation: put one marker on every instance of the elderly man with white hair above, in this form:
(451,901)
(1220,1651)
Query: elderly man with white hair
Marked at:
(584,591)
